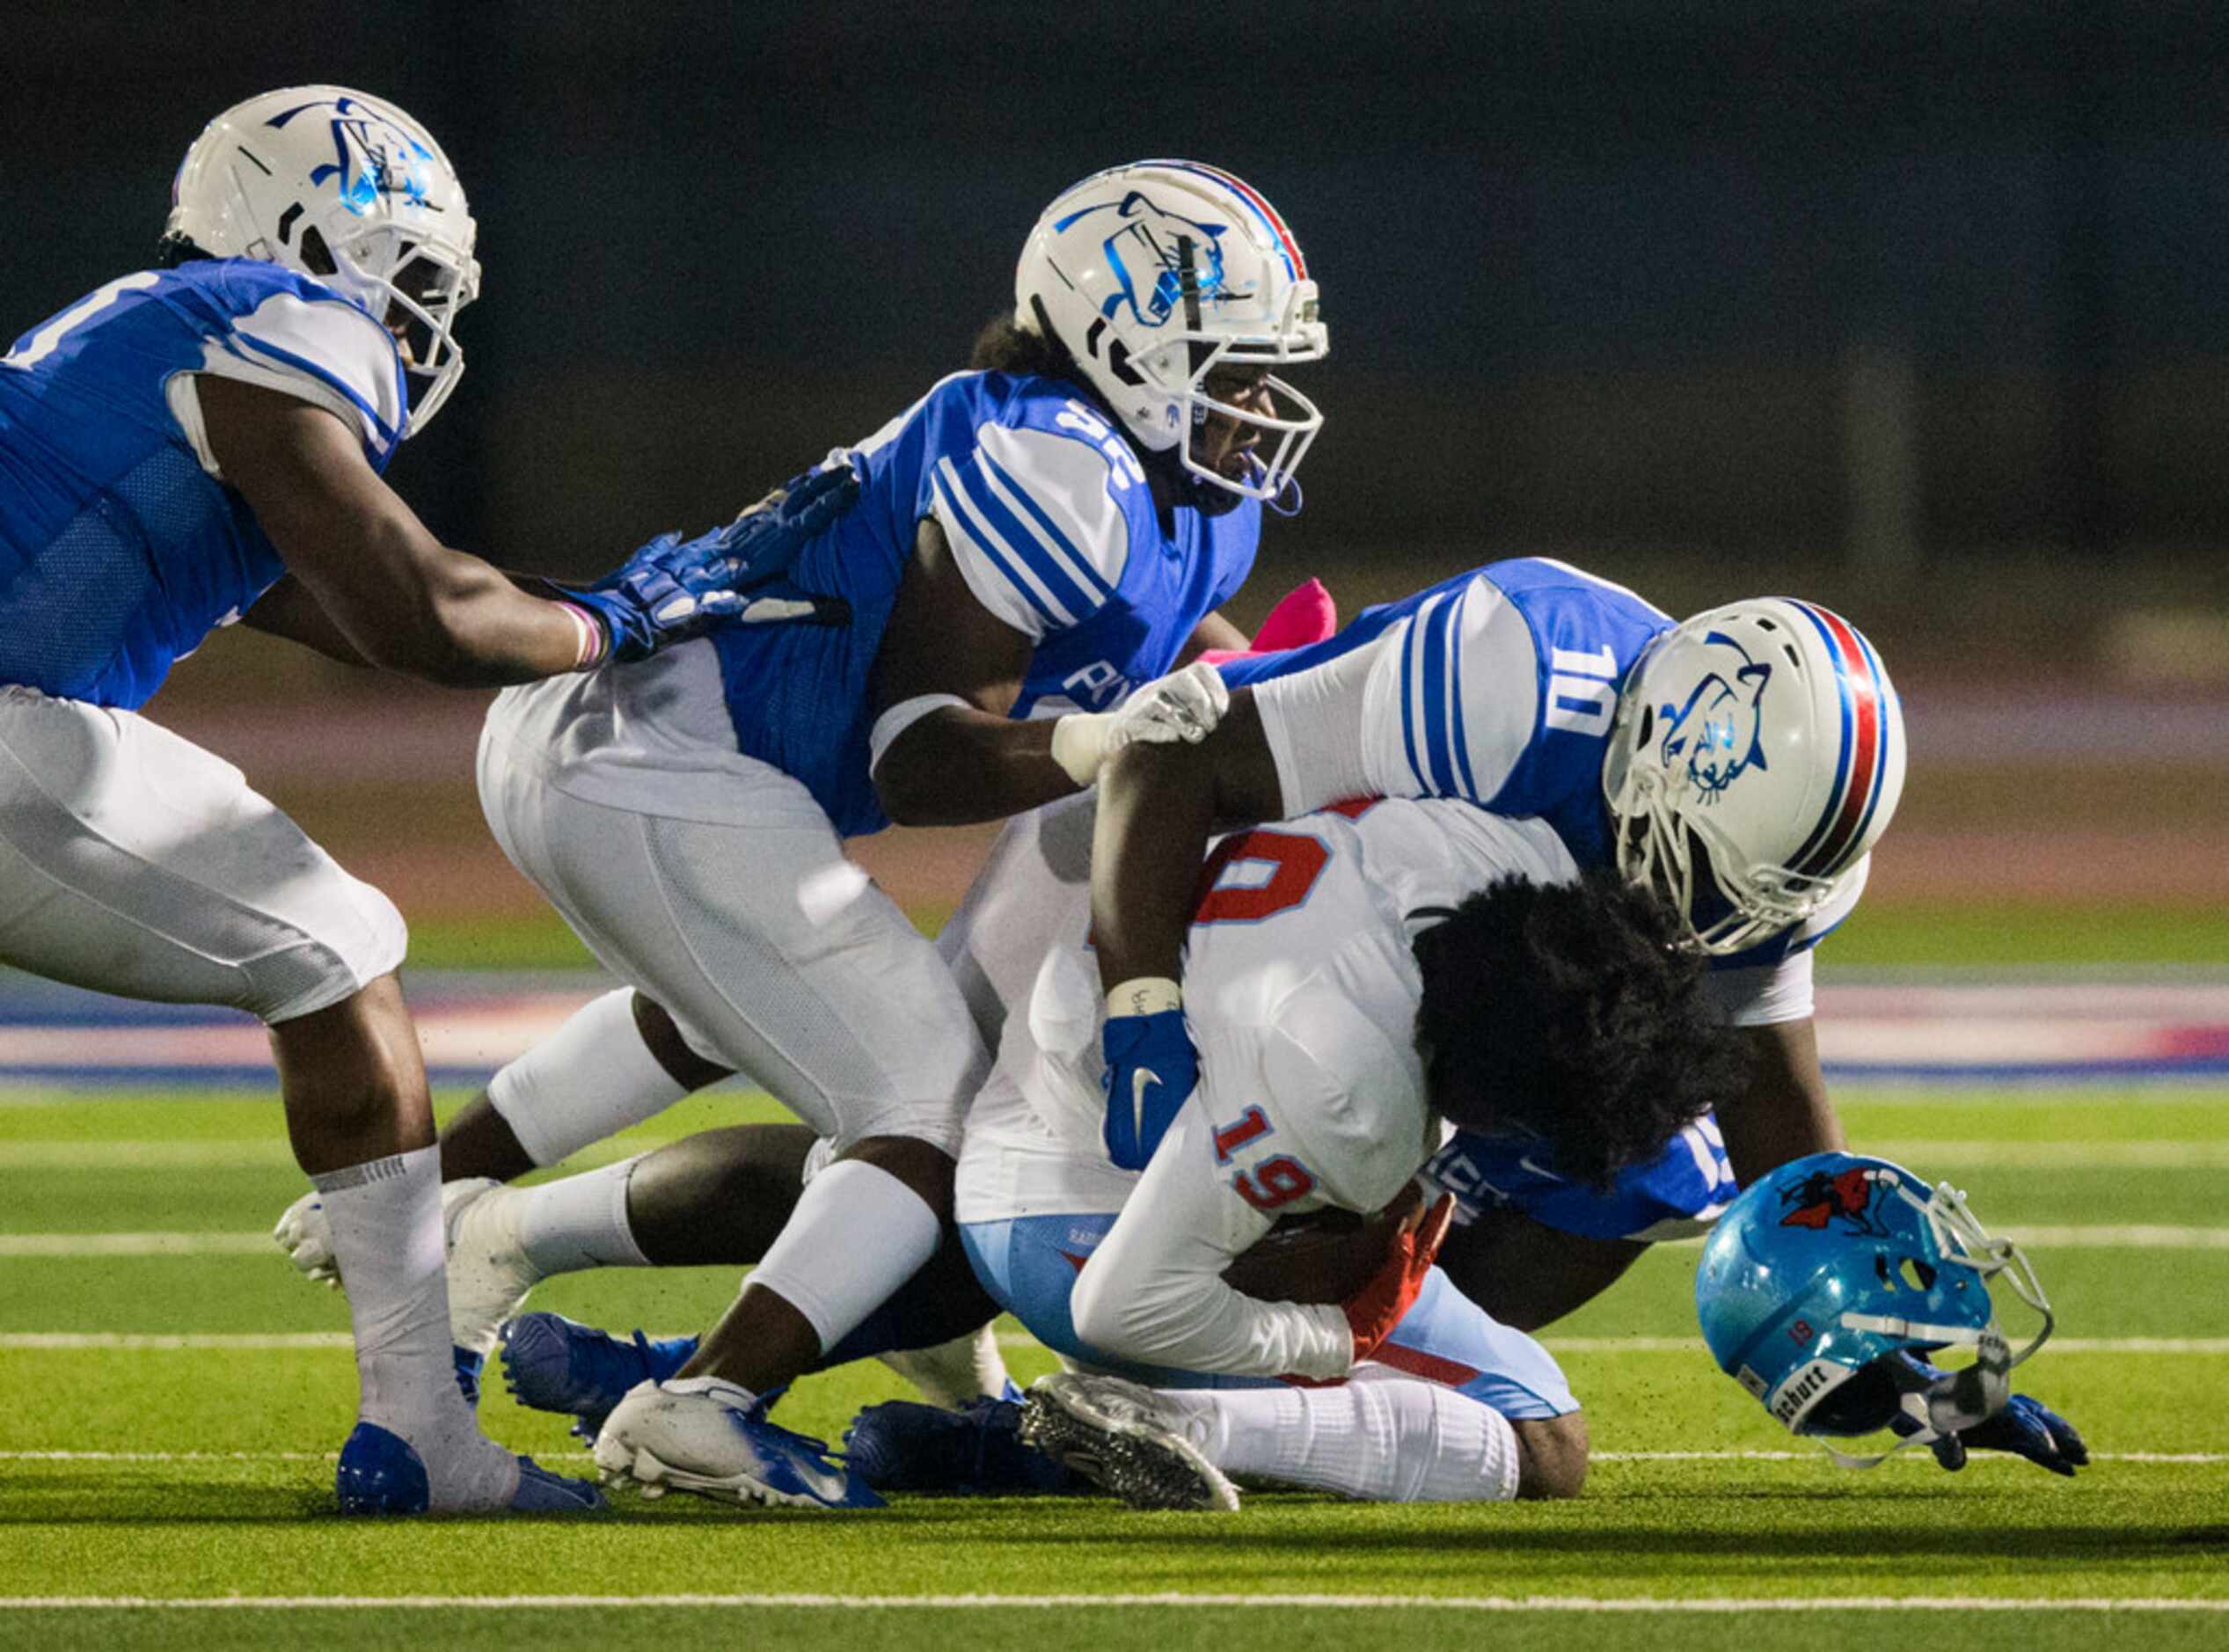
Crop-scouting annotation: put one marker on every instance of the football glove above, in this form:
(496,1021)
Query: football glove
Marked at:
(1379,1306)
(674,588)
(2023,1425)
(1150,1067)
(1184,705)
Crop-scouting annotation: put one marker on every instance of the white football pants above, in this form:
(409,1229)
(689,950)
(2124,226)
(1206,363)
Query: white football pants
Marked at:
(718,888)
(134,862)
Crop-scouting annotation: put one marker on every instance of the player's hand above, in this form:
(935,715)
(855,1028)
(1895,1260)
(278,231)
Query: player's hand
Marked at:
(1184,705)
(666,592)
(1150,1067)
(2026,1427)
(761,543)
(1379,1306)
(674,588)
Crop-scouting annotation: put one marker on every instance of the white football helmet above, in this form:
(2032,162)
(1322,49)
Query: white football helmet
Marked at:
(1767,732)
(1151,275)
(392,233)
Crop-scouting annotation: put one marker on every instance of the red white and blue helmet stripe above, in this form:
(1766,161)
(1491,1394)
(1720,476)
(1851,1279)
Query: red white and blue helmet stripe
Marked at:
(1864,760)
(1289,249)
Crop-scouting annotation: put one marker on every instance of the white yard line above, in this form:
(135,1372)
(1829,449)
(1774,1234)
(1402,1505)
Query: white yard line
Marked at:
(83,1245)
(1639,1603)
(160,1341)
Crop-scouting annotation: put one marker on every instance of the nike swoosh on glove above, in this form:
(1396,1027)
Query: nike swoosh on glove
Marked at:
(1150,1069)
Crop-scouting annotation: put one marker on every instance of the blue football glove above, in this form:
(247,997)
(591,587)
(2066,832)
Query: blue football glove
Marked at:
(674,588)
(2026,1427)
(1150,1069)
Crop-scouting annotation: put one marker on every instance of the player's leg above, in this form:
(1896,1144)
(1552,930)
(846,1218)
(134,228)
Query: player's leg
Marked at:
(134,862)
(1454,1409)
(776,955)
(616,1061)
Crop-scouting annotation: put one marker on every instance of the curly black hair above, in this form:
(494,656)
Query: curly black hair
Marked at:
(1571,1011)
(1004,347)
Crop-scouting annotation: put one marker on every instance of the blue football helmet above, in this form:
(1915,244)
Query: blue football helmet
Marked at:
(1827,1283)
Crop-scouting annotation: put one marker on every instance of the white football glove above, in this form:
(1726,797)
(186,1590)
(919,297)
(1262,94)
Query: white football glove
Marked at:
(1184,705)
(306,1237)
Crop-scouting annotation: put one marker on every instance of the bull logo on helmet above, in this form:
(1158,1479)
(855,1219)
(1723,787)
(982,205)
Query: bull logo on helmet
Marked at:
(1718,734)
(1152,254)
(372,156)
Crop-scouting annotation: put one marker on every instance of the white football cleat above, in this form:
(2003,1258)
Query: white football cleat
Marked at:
(703,1434)
(1126,1437)
(489,1273)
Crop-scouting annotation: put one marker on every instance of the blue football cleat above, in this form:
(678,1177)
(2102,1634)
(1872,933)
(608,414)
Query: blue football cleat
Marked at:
(901,1445)
(702,1435)
(382,1473)
(554,1363)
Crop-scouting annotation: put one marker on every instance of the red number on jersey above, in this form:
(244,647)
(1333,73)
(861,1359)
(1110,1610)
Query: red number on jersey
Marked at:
(1231,1137)
(1277,1182)
(1298,861)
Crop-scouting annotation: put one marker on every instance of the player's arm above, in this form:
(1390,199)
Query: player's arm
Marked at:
(945,751)
(288,610)
(1783,1112)
(1153,1291)
(391,591)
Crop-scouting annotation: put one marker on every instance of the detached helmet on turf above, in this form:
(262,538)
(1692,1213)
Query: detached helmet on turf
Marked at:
(1154,274)
(1767,732)
(350,190)
(1826,1283)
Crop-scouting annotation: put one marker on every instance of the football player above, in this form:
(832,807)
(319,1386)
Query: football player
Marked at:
(1744,762)
(1034,539)
(1352,984)
(1829,1286)
(200,444)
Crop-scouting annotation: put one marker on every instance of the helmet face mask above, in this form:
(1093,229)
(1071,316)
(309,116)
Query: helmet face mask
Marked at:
(352,193)
(1826,1284)
(1765,740)
(1155,276)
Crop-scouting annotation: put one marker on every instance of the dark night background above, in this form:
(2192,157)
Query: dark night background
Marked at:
(1916,308)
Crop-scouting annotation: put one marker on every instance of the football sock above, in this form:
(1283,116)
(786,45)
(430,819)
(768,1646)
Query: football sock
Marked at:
(386,1222)
(858,1234)
(591,1079)
(952,1373)
(577,1222)
(1396,1441)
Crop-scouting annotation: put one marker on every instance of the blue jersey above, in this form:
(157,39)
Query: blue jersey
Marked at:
(120,549)
(1498,686)
(1053,526)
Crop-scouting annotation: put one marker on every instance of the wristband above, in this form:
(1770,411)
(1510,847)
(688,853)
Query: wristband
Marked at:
(1079,745)
(1144,995)
(594,639)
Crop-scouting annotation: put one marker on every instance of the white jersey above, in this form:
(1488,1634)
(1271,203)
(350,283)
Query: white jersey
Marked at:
(1301,992)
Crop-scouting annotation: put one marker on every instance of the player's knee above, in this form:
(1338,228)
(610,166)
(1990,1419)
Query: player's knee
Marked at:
(1551,1455)
(356,942)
